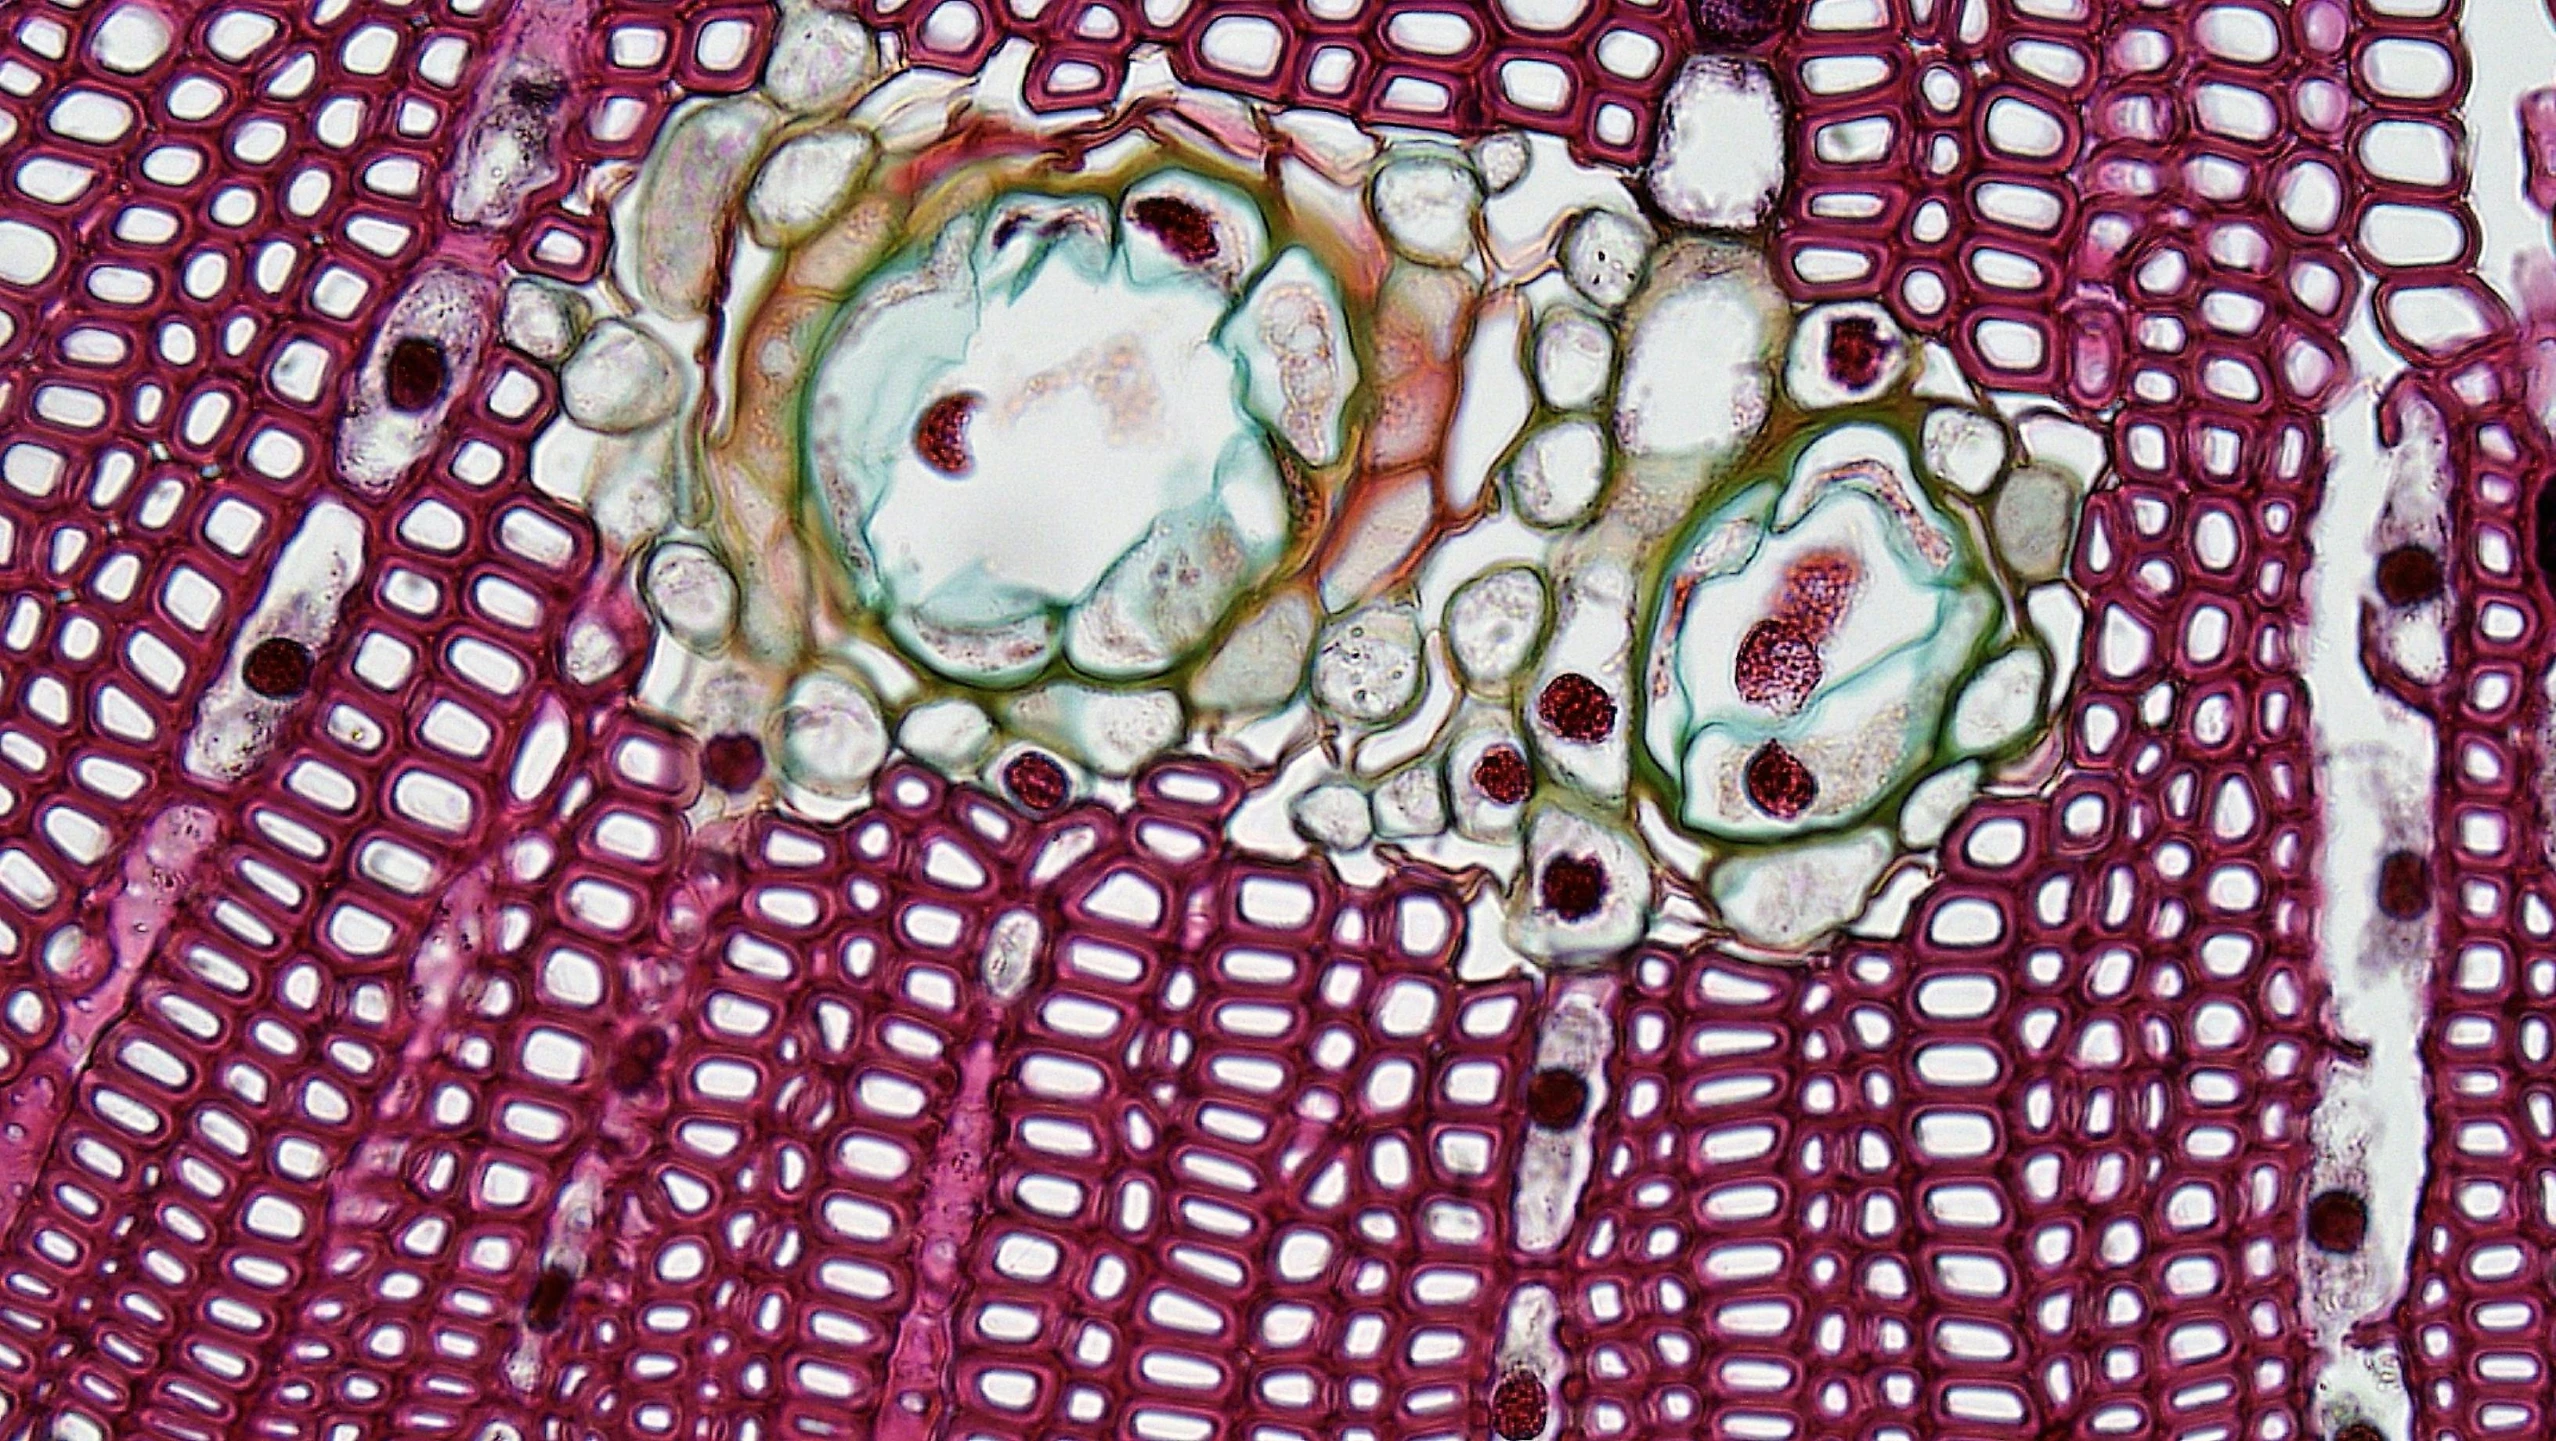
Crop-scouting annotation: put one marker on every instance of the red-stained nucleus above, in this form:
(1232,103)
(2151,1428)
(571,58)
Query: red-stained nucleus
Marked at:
(1576,708)
(278,668)
(1856,351)
(1777,668)
(1520,1405)
(1573,887)
(1778,783)
(1556,1098)
(1037,781)
(1502,775)
(732,761)
(1185,230)
(1817,590)
(940,433)
(2338,1221)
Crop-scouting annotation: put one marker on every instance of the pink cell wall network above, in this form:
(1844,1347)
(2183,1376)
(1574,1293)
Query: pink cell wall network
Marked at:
(305,1089)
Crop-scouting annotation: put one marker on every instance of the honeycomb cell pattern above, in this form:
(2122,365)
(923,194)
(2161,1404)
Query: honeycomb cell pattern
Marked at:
(433,1079)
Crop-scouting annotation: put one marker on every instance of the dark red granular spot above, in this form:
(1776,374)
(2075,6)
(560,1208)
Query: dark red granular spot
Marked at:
(1856,351)
(413,373)
(733,761)
(1721,23)
(2409,575)
(1502,775)
(537,91)
(549,1297)
(2360,1431)
(940,434)
(1188,232)
(1555,1098)
(2338,1221)
(1818,589)
(1037,781)
(2404,885)
(1777,667)
(278,668)
(2542,530)
(1779,783)
(1577,708)
(1519,1405)
(635,1061)
(1574,887)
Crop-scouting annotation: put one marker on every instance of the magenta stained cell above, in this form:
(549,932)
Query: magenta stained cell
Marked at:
(519,917)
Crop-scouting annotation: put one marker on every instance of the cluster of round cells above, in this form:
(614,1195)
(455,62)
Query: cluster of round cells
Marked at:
(430,1079)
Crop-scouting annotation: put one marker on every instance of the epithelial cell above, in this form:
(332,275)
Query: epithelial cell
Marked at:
(1777,667)
(1778,783)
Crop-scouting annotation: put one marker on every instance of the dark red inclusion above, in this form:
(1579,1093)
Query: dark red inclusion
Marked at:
(2409,575)
(2338,1221)
(413,373)
(549,1297)
(1574,886)
(635,1061)
(1777,667)
(1519,1405)
(1779,783)
(1502,775)
(733,761)
(278,668)
(940,435)
(1036,781)
(2404,885)
(1555,1098)
(2360,1431)
(1817,589)
(1856,351)
(1577,708)
(1188,232)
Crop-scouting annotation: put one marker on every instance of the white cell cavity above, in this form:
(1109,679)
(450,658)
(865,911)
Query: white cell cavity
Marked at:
(621,379)
(1605,254)
(1555,478)
(544,319)
(1368,668)
(1494,623)
(1788,899)
(317,569)
(1262,661)
(1574,357)
(805,182)
(1334,815)
(1427,207)
(1698,356)
(1721,150)
(822,59)
(833,739)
